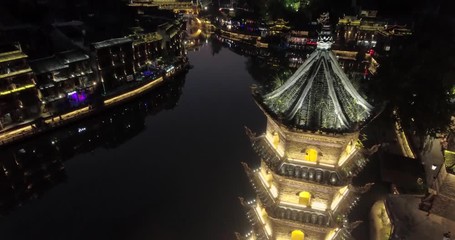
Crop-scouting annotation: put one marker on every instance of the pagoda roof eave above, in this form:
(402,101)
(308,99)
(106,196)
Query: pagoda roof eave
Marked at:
(287,169)
(306,227)
(258,225)
(264,195)
(268,200)
(319,96)
(258,100)
(347,202)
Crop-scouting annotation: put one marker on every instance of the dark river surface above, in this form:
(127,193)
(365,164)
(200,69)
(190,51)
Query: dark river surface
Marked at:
(163,166)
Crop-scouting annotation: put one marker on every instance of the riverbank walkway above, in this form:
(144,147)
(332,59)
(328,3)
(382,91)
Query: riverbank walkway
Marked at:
(29,128)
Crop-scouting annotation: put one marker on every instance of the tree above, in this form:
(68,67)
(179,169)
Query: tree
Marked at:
(419,79)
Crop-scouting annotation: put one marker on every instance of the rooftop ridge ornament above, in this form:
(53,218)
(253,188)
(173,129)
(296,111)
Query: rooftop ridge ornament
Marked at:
(325,38)
(324,18)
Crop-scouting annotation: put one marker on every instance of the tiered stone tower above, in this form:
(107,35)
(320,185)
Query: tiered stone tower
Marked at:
(309,152)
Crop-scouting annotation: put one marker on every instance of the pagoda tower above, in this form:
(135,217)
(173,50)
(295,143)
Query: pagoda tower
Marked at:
(309,152)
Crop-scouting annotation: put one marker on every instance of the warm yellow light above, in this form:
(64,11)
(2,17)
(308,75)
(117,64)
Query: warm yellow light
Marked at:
(267,176)
(68,115)
(340,195)
(297,235)
(403,141)
(262,214)
(276,140)
(263,180)
(274,190)
(13,73)
(266,180)
(321,206)
(258,212)
(311,155)
(13,133)
(17,89)
(300,161)
(134,92)
(326,165)
(331,234)
(346,156)
(305,198)
(197,33)
(273,139)
(350,150)
(268,229)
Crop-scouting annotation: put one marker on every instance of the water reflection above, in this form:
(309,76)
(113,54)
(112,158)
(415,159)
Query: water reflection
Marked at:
(32,167)
(264,65)
(271,67)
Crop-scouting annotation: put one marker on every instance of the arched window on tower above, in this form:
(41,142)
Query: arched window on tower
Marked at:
(297,235)
(305,198)
(311,155)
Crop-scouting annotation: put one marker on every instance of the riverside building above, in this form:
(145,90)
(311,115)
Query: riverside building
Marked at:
(19,97)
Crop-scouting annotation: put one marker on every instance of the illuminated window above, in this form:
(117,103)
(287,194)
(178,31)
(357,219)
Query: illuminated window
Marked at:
(305,198)
(311,155)
(297,235)
(276,139)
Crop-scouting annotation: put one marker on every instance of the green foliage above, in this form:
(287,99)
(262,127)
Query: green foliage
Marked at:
(273,9)
(277,82)
(292,5)
(419,78)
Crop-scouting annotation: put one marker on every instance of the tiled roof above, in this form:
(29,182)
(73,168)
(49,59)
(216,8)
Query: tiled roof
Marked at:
(319,95)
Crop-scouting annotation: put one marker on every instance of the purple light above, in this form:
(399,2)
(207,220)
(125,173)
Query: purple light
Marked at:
(147,73)
(81,96)
(73,96)
(78,97)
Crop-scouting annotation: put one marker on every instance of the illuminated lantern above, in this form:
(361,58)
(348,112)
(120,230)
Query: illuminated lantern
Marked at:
(311,155)
(297,235)
(305,198)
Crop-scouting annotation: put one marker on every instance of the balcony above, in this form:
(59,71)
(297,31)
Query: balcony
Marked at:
(17,89)
(14,72)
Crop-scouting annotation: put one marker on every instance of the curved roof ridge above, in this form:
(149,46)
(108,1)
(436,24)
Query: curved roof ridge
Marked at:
(304,94)
(338,110)
(295,77)
(348,85)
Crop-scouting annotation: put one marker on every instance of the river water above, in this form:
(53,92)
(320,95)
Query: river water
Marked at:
(164,166)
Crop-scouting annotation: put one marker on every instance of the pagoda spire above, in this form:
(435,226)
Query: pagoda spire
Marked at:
(325,37)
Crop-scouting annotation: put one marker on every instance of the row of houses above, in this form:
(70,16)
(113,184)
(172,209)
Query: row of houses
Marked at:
(32,88)
(356,32)
(370,31)
(363,31)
